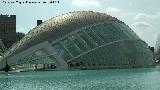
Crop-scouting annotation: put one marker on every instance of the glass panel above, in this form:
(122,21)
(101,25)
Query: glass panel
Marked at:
(90,42)
(70,46)
(61,51)
(99,31)
(129,32)
(94,36)
(108,32)
(79,42)
(88,59)
(118,31)
(125,31)
(115,31)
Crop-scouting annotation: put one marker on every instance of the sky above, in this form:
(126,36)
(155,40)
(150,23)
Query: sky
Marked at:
(143,16)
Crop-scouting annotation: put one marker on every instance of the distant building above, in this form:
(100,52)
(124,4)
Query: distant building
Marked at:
(8,29)
(19,36)
(39,22)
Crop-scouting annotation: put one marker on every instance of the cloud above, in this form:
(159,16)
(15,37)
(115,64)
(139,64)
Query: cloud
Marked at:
(86,3)
(146,17)
(145,31)
(142,25)
(113,10)
(121,14)
(142,17)
(142,28)
(146,26)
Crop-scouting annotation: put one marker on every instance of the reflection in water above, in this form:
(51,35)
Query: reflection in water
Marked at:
(112,79)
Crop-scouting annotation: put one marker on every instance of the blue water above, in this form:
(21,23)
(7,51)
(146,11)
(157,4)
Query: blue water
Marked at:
(112,79)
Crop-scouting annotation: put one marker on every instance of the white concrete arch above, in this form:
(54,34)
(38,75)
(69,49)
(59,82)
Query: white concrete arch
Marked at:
(62,65)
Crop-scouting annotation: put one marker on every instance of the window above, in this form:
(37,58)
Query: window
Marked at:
(94,36)
(90,42)
(61,51)
(70,46)
(80,42)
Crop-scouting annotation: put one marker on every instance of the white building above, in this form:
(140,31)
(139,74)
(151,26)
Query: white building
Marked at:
(81,40)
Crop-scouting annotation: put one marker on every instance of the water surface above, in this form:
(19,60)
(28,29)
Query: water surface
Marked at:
(112,79)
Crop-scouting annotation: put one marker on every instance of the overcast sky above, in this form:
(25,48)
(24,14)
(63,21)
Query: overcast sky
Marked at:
(143,16)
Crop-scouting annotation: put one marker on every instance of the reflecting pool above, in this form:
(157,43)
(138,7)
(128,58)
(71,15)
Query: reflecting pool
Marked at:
(111,79)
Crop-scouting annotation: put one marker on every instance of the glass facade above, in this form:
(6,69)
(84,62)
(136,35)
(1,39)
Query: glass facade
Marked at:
(108,44)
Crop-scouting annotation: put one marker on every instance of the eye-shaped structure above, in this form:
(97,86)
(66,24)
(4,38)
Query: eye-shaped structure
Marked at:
(81,40)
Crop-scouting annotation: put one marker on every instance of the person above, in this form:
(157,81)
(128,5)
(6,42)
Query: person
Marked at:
(36,66)
(51,66)
(43,66)
(54,66)
(7,68)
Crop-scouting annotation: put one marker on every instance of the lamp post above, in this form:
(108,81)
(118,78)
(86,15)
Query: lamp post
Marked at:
(7,68)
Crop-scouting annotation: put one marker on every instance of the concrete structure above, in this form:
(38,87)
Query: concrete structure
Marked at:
(8,29)
(81,40)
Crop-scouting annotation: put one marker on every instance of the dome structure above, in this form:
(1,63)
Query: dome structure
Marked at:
(81,40)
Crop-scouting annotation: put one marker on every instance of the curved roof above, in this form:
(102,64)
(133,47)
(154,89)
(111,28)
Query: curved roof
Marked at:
(57,27)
